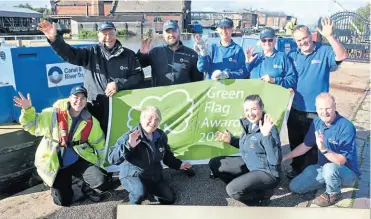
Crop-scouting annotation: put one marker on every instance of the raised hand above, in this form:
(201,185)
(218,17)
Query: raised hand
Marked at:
(22,102)
(200,45)
(266,128)
(249,54)
(223,136)
(50,30)
(134,138)
(146,46)
(197,38)
(327,27)
(320,140)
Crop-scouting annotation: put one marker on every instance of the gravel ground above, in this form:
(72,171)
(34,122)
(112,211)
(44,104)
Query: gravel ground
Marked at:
(197,190)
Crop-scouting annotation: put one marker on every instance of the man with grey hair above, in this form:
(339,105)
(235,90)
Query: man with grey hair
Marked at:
(171,63)
(139,153)
(335,138)
(313,62)
(111,67)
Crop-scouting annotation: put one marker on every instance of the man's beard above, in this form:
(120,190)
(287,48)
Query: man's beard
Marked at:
(174,43)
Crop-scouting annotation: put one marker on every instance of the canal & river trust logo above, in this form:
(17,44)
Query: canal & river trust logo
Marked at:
(55,75)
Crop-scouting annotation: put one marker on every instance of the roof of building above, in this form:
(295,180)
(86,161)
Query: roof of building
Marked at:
(148,6)
(273,14)
(116,18)
(6,11)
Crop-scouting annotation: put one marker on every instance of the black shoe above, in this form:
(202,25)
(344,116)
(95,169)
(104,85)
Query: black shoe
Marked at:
(90,193)
(292,174)
(211,175)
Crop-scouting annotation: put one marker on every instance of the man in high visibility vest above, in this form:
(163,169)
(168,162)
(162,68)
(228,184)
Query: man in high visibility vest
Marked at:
(73,145)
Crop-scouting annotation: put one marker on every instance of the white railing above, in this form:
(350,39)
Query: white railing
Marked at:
(16,37)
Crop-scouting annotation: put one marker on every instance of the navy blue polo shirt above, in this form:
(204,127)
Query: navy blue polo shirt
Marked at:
(277,66)
(340,137)
(313,75)
(230,58)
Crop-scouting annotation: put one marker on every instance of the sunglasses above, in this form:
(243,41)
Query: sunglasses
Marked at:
(265,40)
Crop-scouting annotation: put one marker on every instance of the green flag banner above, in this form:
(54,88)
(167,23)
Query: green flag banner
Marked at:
(192,113)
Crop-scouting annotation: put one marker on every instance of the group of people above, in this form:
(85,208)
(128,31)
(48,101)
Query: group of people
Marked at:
(322,141)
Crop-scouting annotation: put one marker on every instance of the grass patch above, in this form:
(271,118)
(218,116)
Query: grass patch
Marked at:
(93,34)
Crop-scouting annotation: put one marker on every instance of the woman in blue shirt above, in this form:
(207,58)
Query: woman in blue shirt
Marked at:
(270,65)
(252,176)
(222,60)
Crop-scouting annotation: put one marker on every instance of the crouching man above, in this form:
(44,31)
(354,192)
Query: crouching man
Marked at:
(73,145)
(337,165)
(140,152)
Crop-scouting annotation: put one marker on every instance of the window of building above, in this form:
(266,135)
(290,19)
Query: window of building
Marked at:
(158,19)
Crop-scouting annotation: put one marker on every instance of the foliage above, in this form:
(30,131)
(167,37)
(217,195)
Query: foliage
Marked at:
(44,10)
(125,32)
(365,11)
(87,34)
(93,34)
(148,34)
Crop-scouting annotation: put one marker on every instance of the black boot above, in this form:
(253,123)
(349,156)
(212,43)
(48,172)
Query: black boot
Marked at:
(211,175)
(90,193)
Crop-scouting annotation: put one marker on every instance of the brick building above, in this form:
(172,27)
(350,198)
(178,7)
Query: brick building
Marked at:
(276,20)
(156,12)
(81,8)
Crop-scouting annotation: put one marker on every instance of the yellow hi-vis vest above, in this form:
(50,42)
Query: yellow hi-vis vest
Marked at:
(49,151)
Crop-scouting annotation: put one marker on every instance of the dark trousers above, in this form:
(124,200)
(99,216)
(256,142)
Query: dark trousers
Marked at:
(298,125)
(93,176)
(99,108)
(139,188)
(243,185)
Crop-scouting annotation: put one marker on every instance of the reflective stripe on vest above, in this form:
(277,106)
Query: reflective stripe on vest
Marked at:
(31,124)
(99,140)
(52,124)
(98,153)
(49,142)
(49,174)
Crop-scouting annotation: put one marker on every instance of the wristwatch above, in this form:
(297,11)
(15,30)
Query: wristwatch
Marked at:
(324,152)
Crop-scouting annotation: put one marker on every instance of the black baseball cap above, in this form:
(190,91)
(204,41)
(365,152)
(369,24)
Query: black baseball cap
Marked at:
(170,24)
(267,32)
(78,90)
(225,22)
(106,25)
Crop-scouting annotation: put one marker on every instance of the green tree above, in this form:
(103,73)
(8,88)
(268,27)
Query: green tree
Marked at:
(43,10)
(365,11)
(24,6)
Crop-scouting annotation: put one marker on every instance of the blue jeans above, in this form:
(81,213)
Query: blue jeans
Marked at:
(139,186)
(330,175)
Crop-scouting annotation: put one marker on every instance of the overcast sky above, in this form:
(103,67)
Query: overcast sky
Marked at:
(307,11)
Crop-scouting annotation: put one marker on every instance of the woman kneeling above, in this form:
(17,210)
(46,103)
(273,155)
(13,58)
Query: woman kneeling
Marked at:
(251,177)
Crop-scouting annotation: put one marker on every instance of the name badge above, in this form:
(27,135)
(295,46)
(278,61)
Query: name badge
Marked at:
(316,61)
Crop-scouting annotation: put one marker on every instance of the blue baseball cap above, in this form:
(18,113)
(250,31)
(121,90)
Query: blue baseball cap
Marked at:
(106,25)
(170,24)
(267,32)
(225,22)
(78,90)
